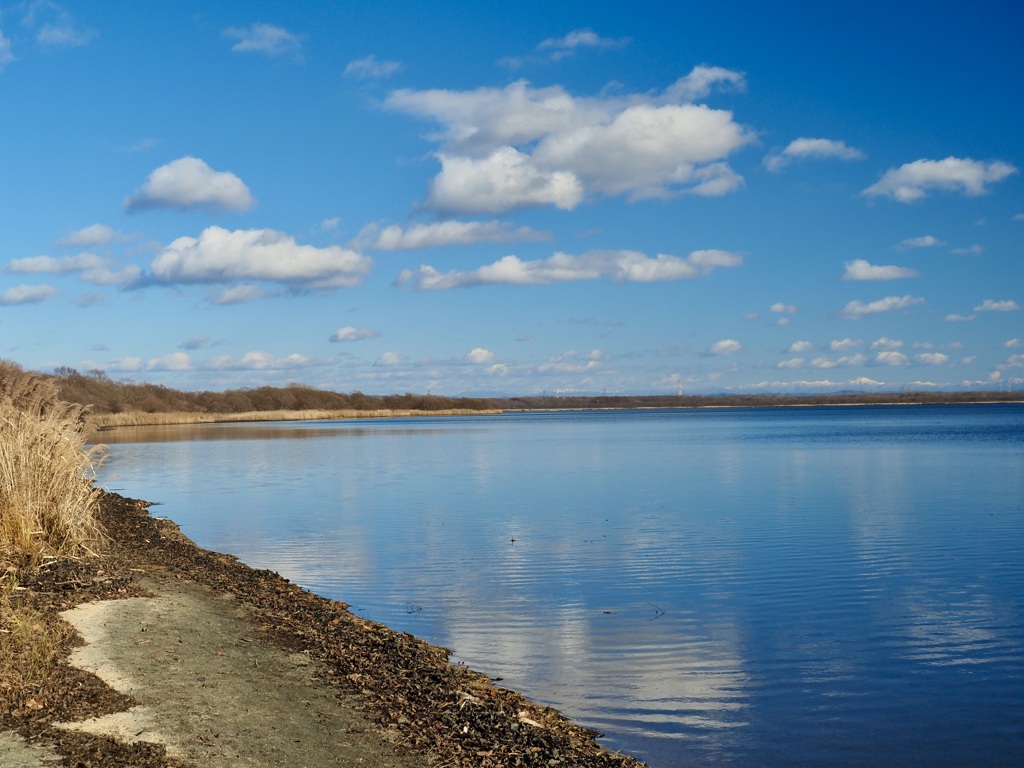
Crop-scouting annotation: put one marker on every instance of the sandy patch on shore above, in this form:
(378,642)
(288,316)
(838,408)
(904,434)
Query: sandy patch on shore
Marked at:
(212,691)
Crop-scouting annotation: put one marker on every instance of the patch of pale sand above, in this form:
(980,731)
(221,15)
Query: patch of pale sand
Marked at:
(211,691)
(15,752)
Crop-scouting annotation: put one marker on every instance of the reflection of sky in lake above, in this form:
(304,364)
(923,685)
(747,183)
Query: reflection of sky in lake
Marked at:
(703,586)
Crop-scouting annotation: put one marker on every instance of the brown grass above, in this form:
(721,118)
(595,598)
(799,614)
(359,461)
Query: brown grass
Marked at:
(47,498)
(140,419)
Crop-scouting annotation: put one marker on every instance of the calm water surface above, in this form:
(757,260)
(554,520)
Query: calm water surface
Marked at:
(744,587)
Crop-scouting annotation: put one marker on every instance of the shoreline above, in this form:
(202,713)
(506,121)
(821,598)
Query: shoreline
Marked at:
(416,707)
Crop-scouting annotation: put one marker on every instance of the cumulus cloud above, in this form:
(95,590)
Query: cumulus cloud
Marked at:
(479,356)
(188,182)
(395,238)
(972,250)
(388,359)
(266,39)
(913,181)
(989,305)
(372,68)
(854,310)
(524,146)
(891,357)
(859,269)
(817,149)
(723,347)
(780,307)
(219,255)
(1013,343)
(621,266)
(91,237)
(932,358)
(795,362)
(886,343)
(925,241)
(799,346)
(27,294)
(351,333)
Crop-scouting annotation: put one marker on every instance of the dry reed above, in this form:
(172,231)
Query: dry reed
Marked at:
(141,419)
(47,497)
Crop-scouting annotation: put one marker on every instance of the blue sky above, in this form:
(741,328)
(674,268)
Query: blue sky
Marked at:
(499,198)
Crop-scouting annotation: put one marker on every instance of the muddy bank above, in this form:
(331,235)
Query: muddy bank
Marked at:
(192,658)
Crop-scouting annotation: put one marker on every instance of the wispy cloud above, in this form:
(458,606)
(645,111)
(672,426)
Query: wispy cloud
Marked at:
(620,266)
(351,333)
(558,48)
(189,182)
(27,294)
(441,233)
(925,241)
(54,26)
(855,310)
(913,181)
(91,237)
(372,68)
(990,305)
(266,39)
(811,149)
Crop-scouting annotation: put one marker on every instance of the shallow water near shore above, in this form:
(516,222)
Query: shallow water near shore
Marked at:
(787,586)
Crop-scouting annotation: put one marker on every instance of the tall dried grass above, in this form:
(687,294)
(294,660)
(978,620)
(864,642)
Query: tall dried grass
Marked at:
(47,497)
(140,419)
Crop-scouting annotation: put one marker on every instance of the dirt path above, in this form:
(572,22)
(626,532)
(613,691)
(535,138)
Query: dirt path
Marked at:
(211,691)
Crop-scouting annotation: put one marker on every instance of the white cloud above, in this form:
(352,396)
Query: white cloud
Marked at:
(621,266)
(989,305)
(370,67)
(262,361)
(176,361)
(891,357)
(573,362)
(27,294)
(388,359)
(196,342)
(817,149)
(859,269)
(844,345)
(857,309)
(93,268)
(53,25)
(932,358)
(219,255)
(795,362)
(480,356)
(925,241)
(50,265)
(188,182)
(955,318)
(723,347)
(394,238)
(266,39)
(913,181)
(351,333)
(841,362)
(1018,217)
(886,343)
(780,307)
(580,38)
(91,236)
(521,146)
(1014,343)
(238,294)
(800,346)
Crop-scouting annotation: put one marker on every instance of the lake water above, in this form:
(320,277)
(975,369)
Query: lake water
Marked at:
(742,587)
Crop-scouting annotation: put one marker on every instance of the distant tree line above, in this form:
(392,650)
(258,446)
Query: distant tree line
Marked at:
(96,389)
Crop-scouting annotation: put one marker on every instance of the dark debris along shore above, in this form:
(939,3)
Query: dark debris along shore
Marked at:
(407,687)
